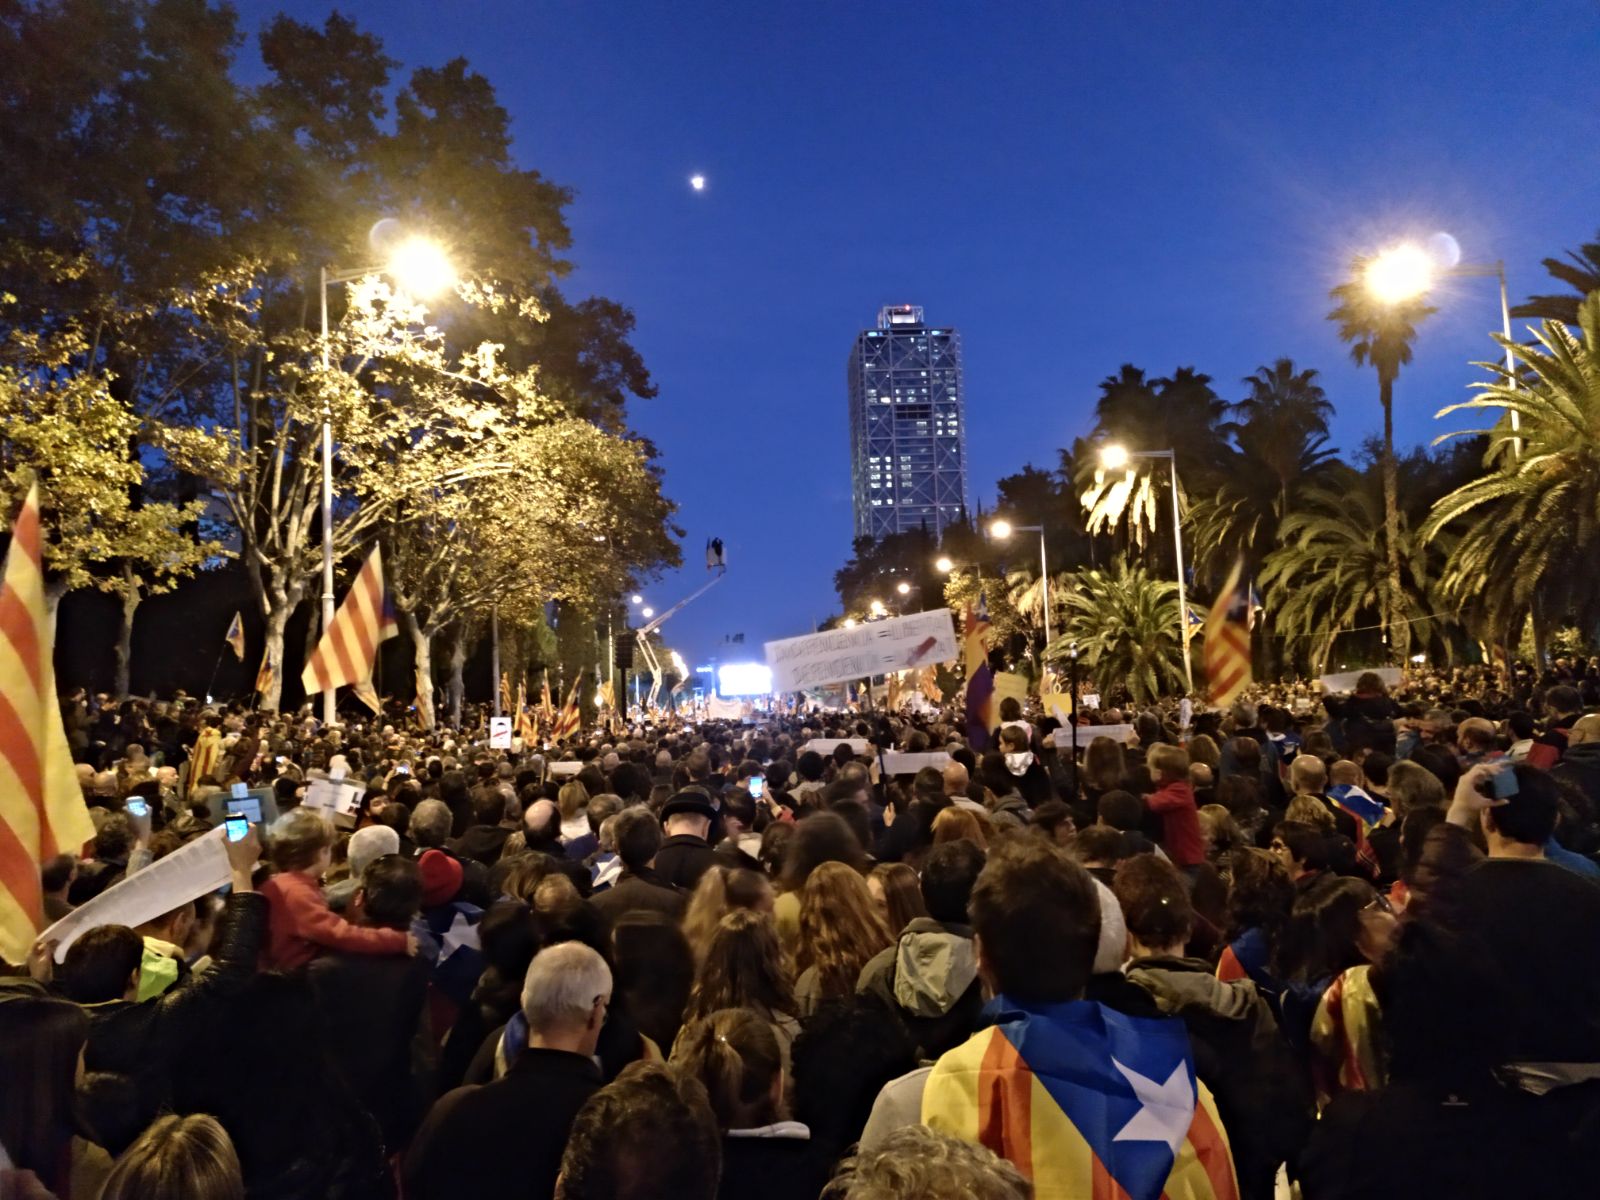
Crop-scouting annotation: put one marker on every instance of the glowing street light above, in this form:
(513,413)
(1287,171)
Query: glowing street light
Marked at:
(1399,273)
(421,268)
(877,608)
(1114,457)
(1000,529)
(647,613)
(903,588)
(849,622)
(944,565)
(637,599)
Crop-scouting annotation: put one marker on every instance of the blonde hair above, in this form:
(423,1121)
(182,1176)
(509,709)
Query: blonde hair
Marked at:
(840,928)
(1308,810)
(743,967)
(736,1054)
(178,1156)
(1171,761)
(298,839)
(572,799)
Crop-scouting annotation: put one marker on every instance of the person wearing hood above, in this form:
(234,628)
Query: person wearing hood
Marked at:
(1262,1095)
(929,978)
(1032,780)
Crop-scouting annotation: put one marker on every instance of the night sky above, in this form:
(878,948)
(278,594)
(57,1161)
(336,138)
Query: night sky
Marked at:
(1159,184)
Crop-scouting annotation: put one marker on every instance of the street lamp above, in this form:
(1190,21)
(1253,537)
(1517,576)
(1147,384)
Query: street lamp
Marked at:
(1001,530)
(637,599)
(849,622)
(944,564)
(1117,458)
(903,588)
(647,613)
(878,609)
(1406,271)
(422,269)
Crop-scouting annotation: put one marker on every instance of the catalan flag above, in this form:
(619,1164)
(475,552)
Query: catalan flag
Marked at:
(235,635)
(1227,645)
(567,723)
(267,674)
(527,726)
(363,691)
(505,692)
(42,813)
(547,706)
(1085,1102)
(348,649)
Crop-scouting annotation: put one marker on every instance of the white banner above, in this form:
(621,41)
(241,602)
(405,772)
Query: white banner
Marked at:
(872,648)
(1088,733)
(826,746)
(1345,681)
(184,875)
(895,763)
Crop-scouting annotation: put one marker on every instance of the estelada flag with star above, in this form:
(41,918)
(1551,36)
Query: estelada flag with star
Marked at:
(1085,1102)
(1227,648)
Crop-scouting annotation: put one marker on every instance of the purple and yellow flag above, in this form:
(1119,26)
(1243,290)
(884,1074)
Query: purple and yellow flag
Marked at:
(1087,1103)
(980,678)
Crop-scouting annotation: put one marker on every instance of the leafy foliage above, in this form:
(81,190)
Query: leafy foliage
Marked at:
(1125,624)
(1580,271)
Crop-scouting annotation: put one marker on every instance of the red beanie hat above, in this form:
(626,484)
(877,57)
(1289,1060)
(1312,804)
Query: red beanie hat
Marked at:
(441,878)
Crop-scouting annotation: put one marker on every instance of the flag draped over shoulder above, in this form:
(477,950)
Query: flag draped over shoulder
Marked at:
(1086,1103)
(348,649)
(980,678)
(42,813)
(235,636)
(1227,647)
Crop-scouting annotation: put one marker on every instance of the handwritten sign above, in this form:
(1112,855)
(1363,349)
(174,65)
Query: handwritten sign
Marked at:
(177,878)
(1345,681)
(872,648)
(1087,733)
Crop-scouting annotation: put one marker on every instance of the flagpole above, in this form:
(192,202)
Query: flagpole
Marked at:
(215,667)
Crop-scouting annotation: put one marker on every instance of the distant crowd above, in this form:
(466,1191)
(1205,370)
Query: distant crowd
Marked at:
(1326,945)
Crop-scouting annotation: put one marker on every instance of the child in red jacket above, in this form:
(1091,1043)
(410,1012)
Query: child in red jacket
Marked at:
(300,925)
(1174,800)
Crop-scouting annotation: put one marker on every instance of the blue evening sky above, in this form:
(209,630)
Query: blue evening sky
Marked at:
(1072,186)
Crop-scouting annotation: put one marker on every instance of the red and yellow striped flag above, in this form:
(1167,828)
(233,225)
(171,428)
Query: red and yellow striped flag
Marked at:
(267,673)
(1227,648)
(567,723)
(348,650)
(42,813)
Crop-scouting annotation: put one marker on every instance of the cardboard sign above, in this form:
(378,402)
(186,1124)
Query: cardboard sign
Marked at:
(177,878)
(895,763)
(871,648)
(499,733)
(1345,681)
(1088,733)
(826,746)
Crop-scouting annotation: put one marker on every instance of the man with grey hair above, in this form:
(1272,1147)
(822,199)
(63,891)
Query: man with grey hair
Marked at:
(366,847)
(505,1138)
(430,825)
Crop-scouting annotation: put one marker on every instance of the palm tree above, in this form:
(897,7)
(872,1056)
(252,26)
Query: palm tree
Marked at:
(1381,334)
(1581,272)
(1529,528)
(1330,576)
(1125,625)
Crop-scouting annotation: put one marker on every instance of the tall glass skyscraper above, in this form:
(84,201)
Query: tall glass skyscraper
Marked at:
(908,440)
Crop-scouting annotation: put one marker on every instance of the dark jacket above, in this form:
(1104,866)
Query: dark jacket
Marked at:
(140,1040)
(645,890)
(1262,1095)
(771,1168)
(929,980)
(1580,767)
(502,1139)
(912,831)
(482,843)
(371,1006)
(682,859)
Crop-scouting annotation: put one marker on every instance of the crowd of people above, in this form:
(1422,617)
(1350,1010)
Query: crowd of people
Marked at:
(1327,945)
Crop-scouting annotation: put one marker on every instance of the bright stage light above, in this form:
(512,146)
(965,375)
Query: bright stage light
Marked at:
(744,679)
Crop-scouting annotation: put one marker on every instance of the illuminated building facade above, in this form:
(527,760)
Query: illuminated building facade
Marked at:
(908,461)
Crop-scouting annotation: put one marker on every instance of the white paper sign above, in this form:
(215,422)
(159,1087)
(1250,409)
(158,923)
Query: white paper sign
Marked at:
(563,770)
(873,648)
(333,795)
(1345,681)
(826,746)
(499,733)
(895,763)
(182,876)
(1087,734)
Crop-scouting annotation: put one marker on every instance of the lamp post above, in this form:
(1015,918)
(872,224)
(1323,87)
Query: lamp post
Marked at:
(422,269)
(1406,271)
(1115,458)
(1003,529)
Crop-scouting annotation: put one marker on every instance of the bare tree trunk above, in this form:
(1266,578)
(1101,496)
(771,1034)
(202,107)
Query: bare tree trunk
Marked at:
(458,683)
(1398,633)
(280,603)
(422,652)
(131,595)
